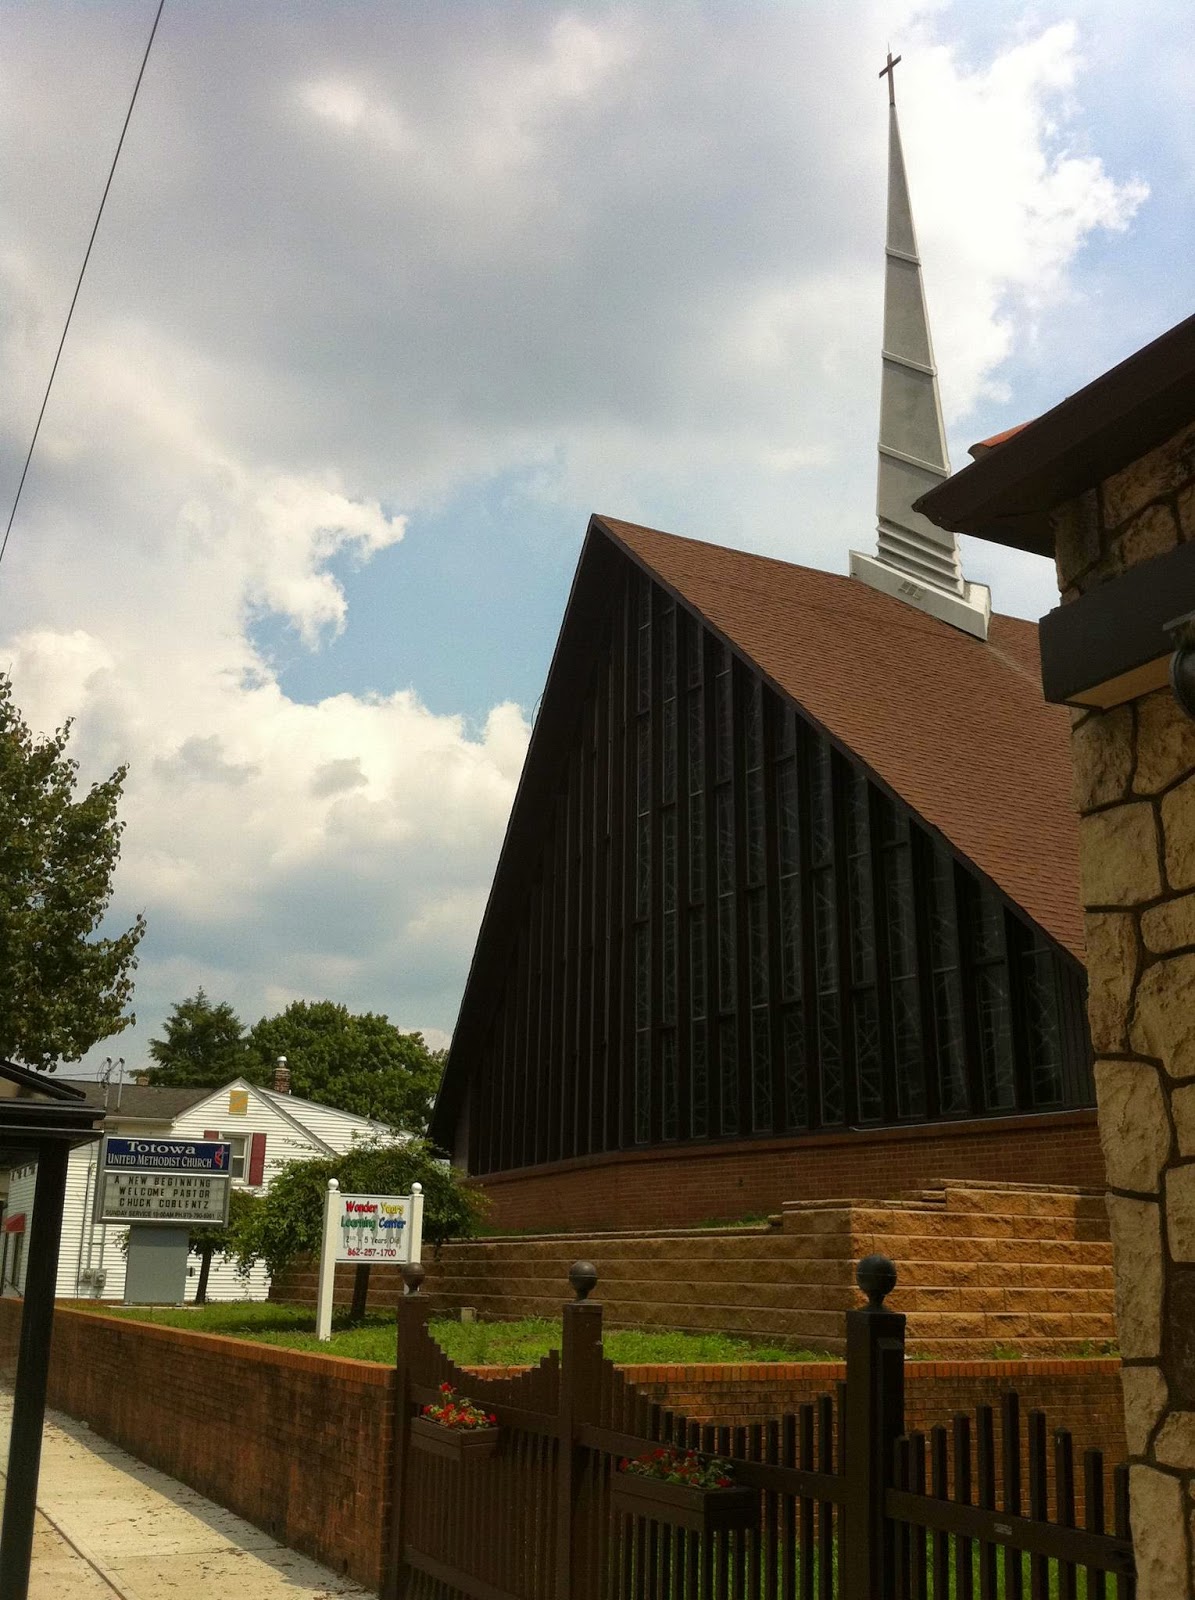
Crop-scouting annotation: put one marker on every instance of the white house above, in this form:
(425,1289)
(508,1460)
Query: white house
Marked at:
(266,1127)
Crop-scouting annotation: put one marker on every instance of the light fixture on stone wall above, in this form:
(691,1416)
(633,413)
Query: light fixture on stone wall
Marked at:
(1182,662)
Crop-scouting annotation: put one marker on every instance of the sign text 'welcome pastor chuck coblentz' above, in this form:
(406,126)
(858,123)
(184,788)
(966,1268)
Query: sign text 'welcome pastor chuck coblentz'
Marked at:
(371,1229)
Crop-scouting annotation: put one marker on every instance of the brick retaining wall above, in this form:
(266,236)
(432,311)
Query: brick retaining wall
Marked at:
(297,1444)
(690,1184)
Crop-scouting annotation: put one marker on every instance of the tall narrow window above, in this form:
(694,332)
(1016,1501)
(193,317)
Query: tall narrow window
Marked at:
(699,1047)
(788,855)
(762,1110)
(864,998)
(825,932)
(896,855)
(698,1031)
(1042,1022)
(949,1035)
(725,887)
(989,961)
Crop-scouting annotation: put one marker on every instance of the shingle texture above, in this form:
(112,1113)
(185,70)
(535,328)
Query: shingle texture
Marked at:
(956,727)
(140,1100)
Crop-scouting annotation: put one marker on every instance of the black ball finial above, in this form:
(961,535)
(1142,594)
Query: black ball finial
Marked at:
(413,1276)
(583,1277)
(876,1276)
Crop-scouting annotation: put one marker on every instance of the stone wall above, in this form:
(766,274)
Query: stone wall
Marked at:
(982,1270)
(1135,789)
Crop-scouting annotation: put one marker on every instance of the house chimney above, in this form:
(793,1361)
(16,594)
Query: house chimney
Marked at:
(142,1080)
(281,1076)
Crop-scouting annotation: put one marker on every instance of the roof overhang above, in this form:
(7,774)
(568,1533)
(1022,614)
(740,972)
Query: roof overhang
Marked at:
(1007,495)
(36,1111)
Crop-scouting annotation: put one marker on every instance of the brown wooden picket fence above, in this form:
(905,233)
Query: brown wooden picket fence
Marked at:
(844,1505)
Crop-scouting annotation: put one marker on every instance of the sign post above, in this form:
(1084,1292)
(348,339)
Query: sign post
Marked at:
(365,1229)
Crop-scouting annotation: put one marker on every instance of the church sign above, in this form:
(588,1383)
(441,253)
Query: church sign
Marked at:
(180,1182)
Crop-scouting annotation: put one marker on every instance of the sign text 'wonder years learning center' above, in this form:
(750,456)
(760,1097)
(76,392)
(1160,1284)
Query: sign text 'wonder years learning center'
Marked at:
(367,1230)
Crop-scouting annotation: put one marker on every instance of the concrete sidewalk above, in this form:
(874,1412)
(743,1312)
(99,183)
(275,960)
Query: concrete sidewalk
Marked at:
(109,1525)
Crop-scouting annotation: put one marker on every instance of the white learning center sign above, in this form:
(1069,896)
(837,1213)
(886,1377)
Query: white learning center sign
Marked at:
(365,1229)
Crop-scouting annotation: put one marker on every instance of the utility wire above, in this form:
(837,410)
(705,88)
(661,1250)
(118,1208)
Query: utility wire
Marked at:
(79,283)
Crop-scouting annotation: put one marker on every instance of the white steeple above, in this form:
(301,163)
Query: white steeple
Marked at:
(917,562)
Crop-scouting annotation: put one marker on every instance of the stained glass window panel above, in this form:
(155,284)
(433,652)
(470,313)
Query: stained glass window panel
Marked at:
(642,1088)
(669,1114)
(1043,1031)
(796,1106)
(699,1080)
(790,939)
(865,1019)
(788,817)
(728,1075)
(696,742)
(697,848)
(761,1070)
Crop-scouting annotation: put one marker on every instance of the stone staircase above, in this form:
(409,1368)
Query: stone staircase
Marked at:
(984,1269)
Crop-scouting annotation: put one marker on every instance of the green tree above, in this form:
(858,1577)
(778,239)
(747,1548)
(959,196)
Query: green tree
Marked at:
(224,1242)
(203,1046)
(359,1063)
(289,1219)
(61,988)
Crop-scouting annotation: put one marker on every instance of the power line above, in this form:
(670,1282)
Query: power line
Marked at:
(79,283)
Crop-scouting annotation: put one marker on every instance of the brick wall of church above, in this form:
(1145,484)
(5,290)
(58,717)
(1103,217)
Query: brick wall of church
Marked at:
(668,1188)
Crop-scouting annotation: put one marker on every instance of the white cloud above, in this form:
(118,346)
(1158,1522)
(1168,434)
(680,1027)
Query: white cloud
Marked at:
(368,261)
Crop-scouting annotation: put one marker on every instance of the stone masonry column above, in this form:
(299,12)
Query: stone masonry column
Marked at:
(1135,789)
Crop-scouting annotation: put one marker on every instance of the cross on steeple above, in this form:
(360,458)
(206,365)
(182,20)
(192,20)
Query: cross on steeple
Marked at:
(889,72)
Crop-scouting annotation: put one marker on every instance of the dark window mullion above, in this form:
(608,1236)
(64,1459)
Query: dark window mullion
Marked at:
(773,712)
(557,955)
(881,914)
(1016,944)
(570,1058)
(809,984)
(655,909)
(963,891)
(840,779)
(741,687)
(921,863)
(684,1030)
(712,983)
(627,810)
(615,912)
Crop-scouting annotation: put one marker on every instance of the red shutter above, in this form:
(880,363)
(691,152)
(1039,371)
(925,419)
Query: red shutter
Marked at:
(257,1160)
(211,1133)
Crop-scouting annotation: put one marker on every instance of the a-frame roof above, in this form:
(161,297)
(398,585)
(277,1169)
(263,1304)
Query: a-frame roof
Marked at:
(954,726)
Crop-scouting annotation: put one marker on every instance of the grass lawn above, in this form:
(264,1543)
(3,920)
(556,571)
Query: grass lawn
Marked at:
(470,1344)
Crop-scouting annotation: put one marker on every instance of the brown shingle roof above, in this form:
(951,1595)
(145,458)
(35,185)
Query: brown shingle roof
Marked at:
(956,727)
(160,1104)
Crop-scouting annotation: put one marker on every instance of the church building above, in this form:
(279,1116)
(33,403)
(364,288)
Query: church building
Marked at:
(788,906)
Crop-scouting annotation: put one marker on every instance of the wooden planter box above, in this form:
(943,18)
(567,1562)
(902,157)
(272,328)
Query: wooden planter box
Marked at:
(453,1444)
(698,1510)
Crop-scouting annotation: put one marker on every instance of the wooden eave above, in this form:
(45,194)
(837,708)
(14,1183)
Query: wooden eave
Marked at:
(1008,494)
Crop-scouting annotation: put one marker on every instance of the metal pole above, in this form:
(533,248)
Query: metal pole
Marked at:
(33,1368)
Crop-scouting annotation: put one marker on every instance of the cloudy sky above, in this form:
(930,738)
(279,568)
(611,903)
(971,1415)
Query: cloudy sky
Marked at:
(387,298)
